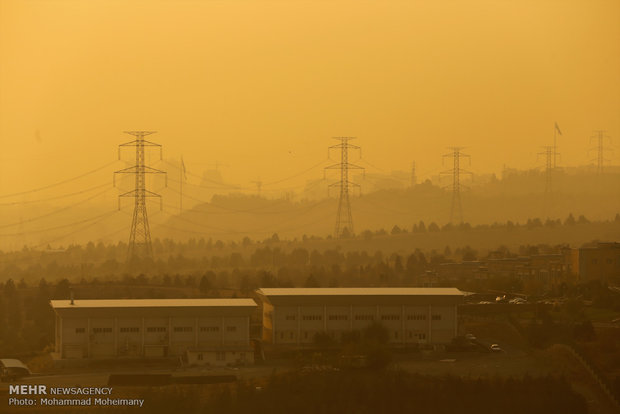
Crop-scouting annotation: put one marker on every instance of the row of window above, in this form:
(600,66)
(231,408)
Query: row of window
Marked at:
(608,261)
(157,329)
(219,356)
(411,335)
(393,317)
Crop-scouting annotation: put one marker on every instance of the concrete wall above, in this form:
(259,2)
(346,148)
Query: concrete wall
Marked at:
(298,325)
(80,335)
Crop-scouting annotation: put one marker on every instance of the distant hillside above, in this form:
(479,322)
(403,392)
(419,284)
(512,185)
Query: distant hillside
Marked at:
(519,196)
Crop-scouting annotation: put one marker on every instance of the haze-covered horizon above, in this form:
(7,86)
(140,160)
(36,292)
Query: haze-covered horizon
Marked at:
(262,86)
(249,95)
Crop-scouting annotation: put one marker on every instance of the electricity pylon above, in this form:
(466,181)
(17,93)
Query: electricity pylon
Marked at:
(414,178)
(600,150)
(140,234)
(550,157)
(344,219)
(456,172)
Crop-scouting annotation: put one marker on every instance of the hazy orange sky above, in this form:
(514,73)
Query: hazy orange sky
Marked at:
(263,85)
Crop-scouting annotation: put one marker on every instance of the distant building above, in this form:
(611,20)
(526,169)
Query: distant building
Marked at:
(215,331)
(294,316)
(453,272)
(600,262)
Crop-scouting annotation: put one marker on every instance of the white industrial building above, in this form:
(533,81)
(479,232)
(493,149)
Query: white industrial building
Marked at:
(215,331)
(293,316)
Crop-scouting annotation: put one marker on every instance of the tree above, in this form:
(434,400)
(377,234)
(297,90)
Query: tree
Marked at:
(421,227)
(570,220)
(63,289)
(299,257)
(311,282)
(469,254)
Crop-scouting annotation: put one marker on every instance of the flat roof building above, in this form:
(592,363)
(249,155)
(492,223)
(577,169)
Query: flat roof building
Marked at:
(204,330)
(294,316)
(600,262)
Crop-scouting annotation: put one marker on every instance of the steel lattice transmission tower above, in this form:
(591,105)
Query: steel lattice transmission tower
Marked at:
(140,234)
(344,219)
(550,158)
(600,150)
(456,172)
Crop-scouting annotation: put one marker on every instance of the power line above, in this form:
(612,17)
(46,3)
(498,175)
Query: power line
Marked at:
(42,200)
(105,216)
(296,174)
(58,227)
(55,211)
(58,183)
(208,180)
(344,219)
(140,234)
(248,211)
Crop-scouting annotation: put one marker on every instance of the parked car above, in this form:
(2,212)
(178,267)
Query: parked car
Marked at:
(12,369)
(496,348)
(471,337)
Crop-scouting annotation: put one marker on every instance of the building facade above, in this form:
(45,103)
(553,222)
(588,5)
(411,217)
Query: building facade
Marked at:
(202,330)
(294,316)
(600,262)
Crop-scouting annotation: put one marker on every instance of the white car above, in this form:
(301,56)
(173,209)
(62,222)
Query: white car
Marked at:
(471,337)
(496,348)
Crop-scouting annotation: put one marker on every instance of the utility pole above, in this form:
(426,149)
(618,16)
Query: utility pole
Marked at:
(550,156)
(182,177)
(600,149)
(140,234)
(344,219)
(556,131)
(456,172)
(413,176)
(259,185)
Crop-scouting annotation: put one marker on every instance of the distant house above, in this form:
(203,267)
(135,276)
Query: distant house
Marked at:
(600,262)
